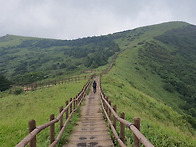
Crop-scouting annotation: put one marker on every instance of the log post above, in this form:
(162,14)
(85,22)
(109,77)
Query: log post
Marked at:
(114,118)
(74,103)
(32,126)
(109,111)
(52,129)
(70,105)
(67,111)
(61,119)
(122,128)
(136,142)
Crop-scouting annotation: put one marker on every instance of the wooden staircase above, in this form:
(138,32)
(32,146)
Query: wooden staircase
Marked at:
(91,130)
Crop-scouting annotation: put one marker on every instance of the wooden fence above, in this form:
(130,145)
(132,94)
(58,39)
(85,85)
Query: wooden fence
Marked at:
(112,118)
(69,109)
(90,71)
(33,86)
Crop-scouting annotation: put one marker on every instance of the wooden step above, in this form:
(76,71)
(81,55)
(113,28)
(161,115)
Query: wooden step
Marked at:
(91,131)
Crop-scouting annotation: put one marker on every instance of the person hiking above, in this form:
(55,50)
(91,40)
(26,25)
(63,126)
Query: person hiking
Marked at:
(94,86)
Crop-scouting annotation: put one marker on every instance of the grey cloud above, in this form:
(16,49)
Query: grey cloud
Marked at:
(68,19)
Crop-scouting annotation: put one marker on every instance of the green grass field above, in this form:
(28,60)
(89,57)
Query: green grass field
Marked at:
(139,93)
(17,110)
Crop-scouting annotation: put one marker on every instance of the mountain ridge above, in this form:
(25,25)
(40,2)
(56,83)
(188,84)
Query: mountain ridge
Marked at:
(149,79)
(170,22)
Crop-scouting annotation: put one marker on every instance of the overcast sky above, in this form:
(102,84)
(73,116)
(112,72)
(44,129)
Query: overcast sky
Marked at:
(71,19)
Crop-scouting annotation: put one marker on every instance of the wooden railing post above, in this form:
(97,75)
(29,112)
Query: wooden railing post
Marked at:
(70,105)
(114,118)
(109,111)
(122,128)
(67,111)
(78,100)
(61,119)
(74,103)
(136,142)
(32,126)
(52,129)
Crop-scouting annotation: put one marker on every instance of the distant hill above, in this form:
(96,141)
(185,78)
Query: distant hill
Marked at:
(155,79)
(166,50)
(25,59)
(173,57)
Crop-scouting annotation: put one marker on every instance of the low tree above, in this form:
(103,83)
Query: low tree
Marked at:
(4,83)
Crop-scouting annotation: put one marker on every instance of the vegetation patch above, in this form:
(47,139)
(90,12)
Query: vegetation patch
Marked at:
(174,61)
(26,59)
(17,110)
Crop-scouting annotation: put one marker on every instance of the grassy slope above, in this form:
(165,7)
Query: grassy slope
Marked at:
(139,93)
(129,86)
(16,111)
(51,58)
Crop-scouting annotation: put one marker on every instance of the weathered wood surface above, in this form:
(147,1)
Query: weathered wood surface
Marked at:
(92,129)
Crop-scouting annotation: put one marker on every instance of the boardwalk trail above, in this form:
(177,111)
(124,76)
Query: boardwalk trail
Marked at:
(91,130)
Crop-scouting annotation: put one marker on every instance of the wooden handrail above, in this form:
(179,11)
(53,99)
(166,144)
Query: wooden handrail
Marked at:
(38,129)
(79,98)
(32,86)
(62,130)
(131,126)
(112,128)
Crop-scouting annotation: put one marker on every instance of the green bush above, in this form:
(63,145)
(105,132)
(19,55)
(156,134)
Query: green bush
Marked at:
(4,83)
(16,90)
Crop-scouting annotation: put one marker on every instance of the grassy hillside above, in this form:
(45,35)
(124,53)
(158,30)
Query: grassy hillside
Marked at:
(17,110)
(138,85)
(154,79)
(22,57)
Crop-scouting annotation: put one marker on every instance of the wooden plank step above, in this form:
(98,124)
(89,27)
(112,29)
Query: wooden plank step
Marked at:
(90,144)
(91,131)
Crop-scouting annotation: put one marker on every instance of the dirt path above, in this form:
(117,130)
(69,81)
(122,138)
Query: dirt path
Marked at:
(91,130)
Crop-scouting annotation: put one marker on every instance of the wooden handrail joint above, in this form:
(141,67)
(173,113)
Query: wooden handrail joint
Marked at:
(128,125)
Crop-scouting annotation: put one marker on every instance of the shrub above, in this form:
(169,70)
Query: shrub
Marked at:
(16,90)
(4,83)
